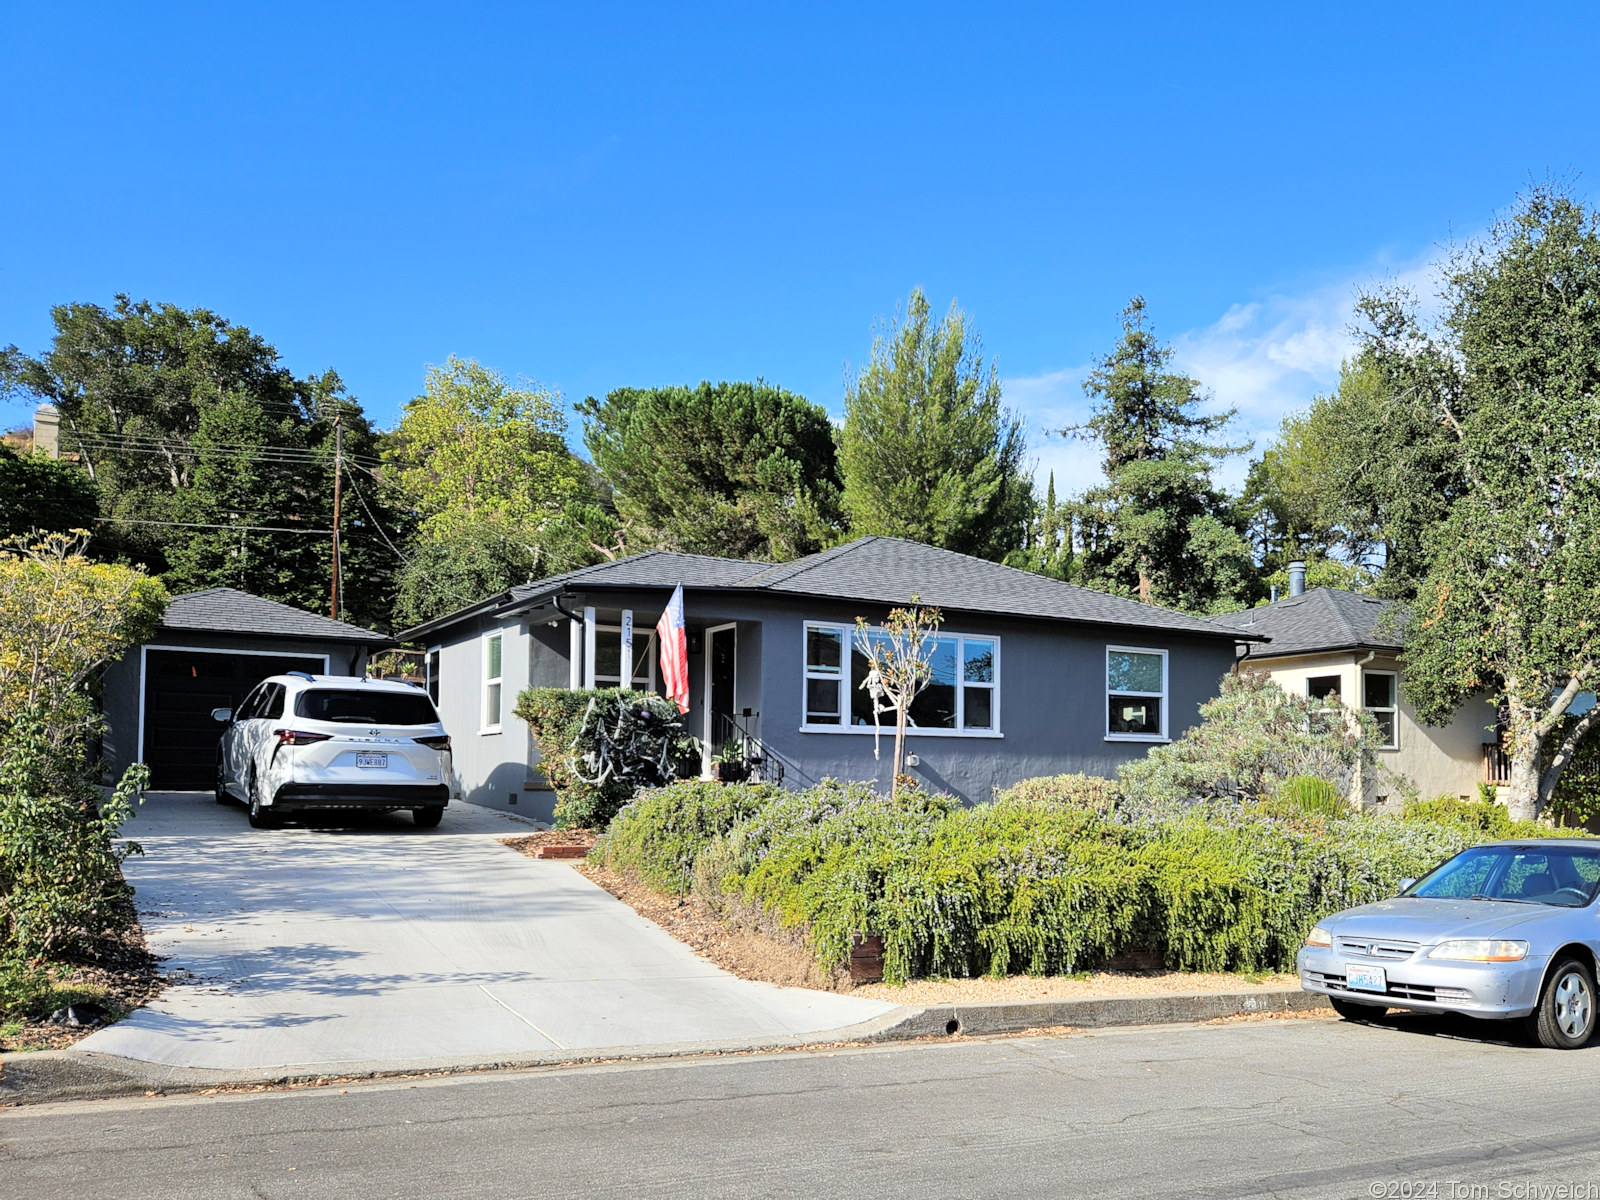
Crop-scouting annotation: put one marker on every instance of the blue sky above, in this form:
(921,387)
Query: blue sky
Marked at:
(596,196)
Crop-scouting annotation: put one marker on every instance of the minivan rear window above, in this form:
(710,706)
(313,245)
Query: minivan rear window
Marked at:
(365,707)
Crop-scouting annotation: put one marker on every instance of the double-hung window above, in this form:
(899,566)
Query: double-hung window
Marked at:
(961,695)
(1136,694)
(1379,696)
(493,647)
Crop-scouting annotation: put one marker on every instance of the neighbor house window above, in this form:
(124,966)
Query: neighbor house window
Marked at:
(492,671)
(1325,689)
(1136,694)
(961,696)
(1379,696)
(433,675)
(608,658)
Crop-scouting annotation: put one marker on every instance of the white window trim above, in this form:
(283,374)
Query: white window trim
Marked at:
(844,725)
(1394,694)
(430,684)
(650,657)
(484,727)
(1163,695)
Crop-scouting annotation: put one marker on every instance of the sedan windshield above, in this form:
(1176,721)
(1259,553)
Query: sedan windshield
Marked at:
(366,707)
(1565,876)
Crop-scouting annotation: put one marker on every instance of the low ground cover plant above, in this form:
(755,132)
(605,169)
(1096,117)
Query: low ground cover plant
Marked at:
(1024,885)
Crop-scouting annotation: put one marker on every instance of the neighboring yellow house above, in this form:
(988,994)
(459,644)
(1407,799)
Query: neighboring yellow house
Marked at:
(1333,644)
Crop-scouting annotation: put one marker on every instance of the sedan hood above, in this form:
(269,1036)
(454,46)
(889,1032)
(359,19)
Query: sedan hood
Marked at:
(1427,921)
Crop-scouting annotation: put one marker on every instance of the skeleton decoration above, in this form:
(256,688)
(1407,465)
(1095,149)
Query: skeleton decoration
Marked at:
(635,743)
(880,705)
(899,665)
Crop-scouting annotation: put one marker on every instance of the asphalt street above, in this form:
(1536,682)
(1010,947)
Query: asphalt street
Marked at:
(1307,1107)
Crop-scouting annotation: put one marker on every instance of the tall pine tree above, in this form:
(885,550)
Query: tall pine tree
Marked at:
(1159,530)
(928,452)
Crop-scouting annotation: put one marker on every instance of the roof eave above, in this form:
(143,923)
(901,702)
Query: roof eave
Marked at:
(1340,648)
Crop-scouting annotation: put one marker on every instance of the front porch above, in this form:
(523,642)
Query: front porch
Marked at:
(618,647)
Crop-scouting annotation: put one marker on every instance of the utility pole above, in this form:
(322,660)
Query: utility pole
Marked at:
(338,481)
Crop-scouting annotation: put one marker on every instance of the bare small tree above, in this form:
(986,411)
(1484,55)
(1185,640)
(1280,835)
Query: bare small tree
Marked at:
(899,659)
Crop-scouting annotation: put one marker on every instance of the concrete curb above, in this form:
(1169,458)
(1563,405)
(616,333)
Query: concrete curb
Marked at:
(49,1076)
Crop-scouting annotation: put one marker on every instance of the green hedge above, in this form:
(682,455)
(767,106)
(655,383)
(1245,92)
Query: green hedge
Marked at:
(598,747)
(1025,884)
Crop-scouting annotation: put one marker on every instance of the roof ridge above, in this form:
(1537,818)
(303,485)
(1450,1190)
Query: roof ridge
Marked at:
(783,572)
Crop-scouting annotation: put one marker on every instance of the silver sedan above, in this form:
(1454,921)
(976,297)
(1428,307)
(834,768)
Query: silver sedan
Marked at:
(1507,930)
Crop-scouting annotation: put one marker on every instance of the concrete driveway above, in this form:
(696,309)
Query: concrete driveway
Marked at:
(377,944)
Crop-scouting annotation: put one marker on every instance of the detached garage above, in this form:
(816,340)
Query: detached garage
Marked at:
(213,647)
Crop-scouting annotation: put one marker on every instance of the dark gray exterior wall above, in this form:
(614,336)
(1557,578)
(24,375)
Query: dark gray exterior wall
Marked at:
(121,683)
(1052,691)
(1052,699)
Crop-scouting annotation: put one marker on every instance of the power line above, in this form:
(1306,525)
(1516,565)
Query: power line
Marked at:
(201,525)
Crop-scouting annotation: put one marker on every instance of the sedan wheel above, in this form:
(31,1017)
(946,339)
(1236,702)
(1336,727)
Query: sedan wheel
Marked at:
(1564,1019)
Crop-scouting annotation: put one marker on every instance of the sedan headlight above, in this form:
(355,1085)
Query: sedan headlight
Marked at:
(1480,950)
(1319,937)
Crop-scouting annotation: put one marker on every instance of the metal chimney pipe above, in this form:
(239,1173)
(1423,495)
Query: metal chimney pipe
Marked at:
(1297,578)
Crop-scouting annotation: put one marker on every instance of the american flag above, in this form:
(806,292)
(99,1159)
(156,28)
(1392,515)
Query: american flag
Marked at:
(674,639)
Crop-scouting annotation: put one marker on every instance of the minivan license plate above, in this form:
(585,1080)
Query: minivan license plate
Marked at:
(381,761)
(1364,979)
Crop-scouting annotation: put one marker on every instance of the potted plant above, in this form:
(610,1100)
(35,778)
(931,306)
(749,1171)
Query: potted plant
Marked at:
(731,765)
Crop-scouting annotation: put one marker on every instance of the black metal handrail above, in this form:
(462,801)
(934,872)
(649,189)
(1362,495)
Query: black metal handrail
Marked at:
(755,757)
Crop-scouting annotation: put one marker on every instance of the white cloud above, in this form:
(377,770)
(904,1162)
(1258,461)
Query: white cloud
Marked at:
(1264,357)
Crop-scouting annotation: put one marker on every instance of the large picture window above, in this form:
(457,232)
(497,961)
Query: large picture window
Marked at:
(962,697)
(1136,694)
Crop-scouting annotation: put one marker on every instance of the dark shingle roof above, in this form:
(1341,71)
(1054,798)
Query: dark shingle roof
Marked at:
(228,610)
(1318,620)
(870,569)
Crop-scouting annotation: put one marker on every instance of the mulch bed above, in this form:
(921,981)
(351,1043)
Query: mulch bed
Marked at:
(120,969)
(747,952)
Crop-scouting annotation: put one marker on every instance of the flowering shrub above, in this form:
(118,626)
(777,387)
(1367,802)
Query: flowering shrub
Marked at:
(1024,884)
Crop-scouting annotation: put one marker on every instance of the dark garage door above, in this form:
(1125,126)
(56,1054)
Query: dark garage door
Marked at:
(181,687)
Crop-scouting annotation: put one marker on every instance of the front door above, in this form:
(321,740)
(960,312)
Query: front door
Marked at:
(721,660)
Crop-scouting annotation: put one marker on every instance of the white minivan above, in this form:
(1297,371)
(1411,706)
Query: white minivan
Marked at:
(301,741)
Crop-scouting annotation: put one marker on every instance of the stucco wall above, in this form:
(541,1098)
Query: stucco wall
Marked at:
(120,685)
(1437,760)
(1052,696)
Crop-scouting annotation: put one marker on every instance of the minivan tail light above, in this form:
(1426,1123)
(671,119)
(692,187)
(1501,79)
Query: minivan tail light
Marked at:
(435,741)
(296,737)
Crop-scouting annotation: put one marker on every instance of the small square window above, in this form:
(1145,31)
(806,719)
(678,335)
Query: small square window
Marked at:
(1323,687)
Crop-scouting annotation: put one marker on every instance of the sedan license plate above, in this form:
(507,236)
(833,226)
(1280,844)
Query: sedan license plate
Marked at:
(381,761)
(1364,979)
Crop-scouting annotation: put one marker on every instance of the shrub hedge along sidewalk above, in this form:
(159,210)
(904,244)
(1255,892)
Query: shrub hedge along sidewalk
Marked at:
(1043,880)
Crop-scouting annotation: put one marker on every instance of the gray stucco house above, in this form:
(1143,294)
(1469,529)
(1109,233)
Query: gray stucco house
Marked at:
(1032,676)
(212,648)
